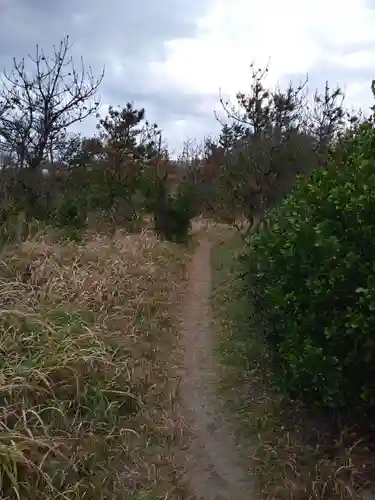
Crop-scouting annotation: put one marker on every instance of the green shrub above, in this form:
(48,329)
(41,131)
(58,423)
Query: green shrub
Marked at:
(70,213)
(173,214)
(311,280)
(12,223)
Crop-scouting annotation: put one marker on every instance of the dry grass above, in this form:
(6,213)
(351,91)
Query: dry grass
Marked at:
(295,456)
(87,397)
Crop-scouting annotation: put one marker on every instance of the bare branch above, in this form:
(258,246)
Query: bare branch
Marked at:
(45,100)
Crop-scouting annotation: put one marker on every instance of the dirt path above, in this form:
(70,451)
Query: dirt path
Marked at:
(216,470)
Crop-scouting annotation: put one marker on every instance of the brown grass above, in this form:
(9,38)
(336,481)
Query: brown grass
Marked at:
(87,397)
(295,456)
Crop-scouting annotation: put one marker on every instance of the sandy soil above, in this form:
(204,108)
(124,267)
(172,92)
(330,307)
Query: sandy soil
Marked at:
(216,468)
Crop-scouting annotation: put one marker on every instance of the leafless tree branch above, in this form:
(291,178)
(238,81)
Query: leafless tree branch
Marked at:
(42,102)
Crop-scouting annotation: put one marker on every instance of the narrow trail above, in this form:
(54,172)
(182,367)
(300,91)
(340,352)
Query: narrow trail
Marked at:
(216,468)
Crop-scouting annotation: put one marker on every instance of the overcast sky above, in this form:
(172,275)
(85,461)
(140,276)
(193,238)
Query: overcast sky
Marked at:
(172,56)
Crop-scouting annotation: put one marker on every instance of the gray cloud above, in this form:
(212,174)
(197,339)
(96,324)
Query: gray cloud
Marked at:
(125,32)
(120,26)
(131,34)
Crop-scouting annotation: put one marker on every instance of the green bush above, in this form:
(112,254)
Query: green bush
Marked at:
(311,280)
(12,223)
(173,214)
(70,213)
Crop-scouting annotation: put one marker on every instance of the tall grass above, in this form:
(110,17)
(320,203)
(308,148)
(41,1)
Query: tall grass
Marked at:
(86,393)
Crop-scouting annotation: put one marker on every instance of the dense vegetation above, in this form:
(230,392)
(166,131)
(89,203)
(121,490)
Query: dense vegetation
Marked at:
(88,292)
(311,279)
(297,331)
(307,176)
(65,180)
(300,167)
(300,347)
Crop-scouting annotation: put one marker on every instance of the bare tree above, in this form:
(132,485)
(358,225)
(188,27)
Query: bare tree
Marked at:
(38,105)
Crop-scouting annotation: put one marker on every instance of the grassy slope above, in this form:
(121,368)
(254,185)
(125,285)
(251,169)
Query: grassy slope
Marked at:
(294,458)
(87,339)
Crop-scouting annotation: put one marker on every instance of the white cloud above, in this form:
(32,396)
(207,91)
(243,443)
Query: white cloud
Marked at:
(298,37)
(359,95)
(357,59)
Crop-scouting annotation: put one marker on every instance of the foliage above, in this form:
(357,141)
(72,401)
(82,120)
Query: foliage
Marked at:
(312,282)
(173,212)
(70,217)
(183,209)
(273,135)
(129,145)
(11,223)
